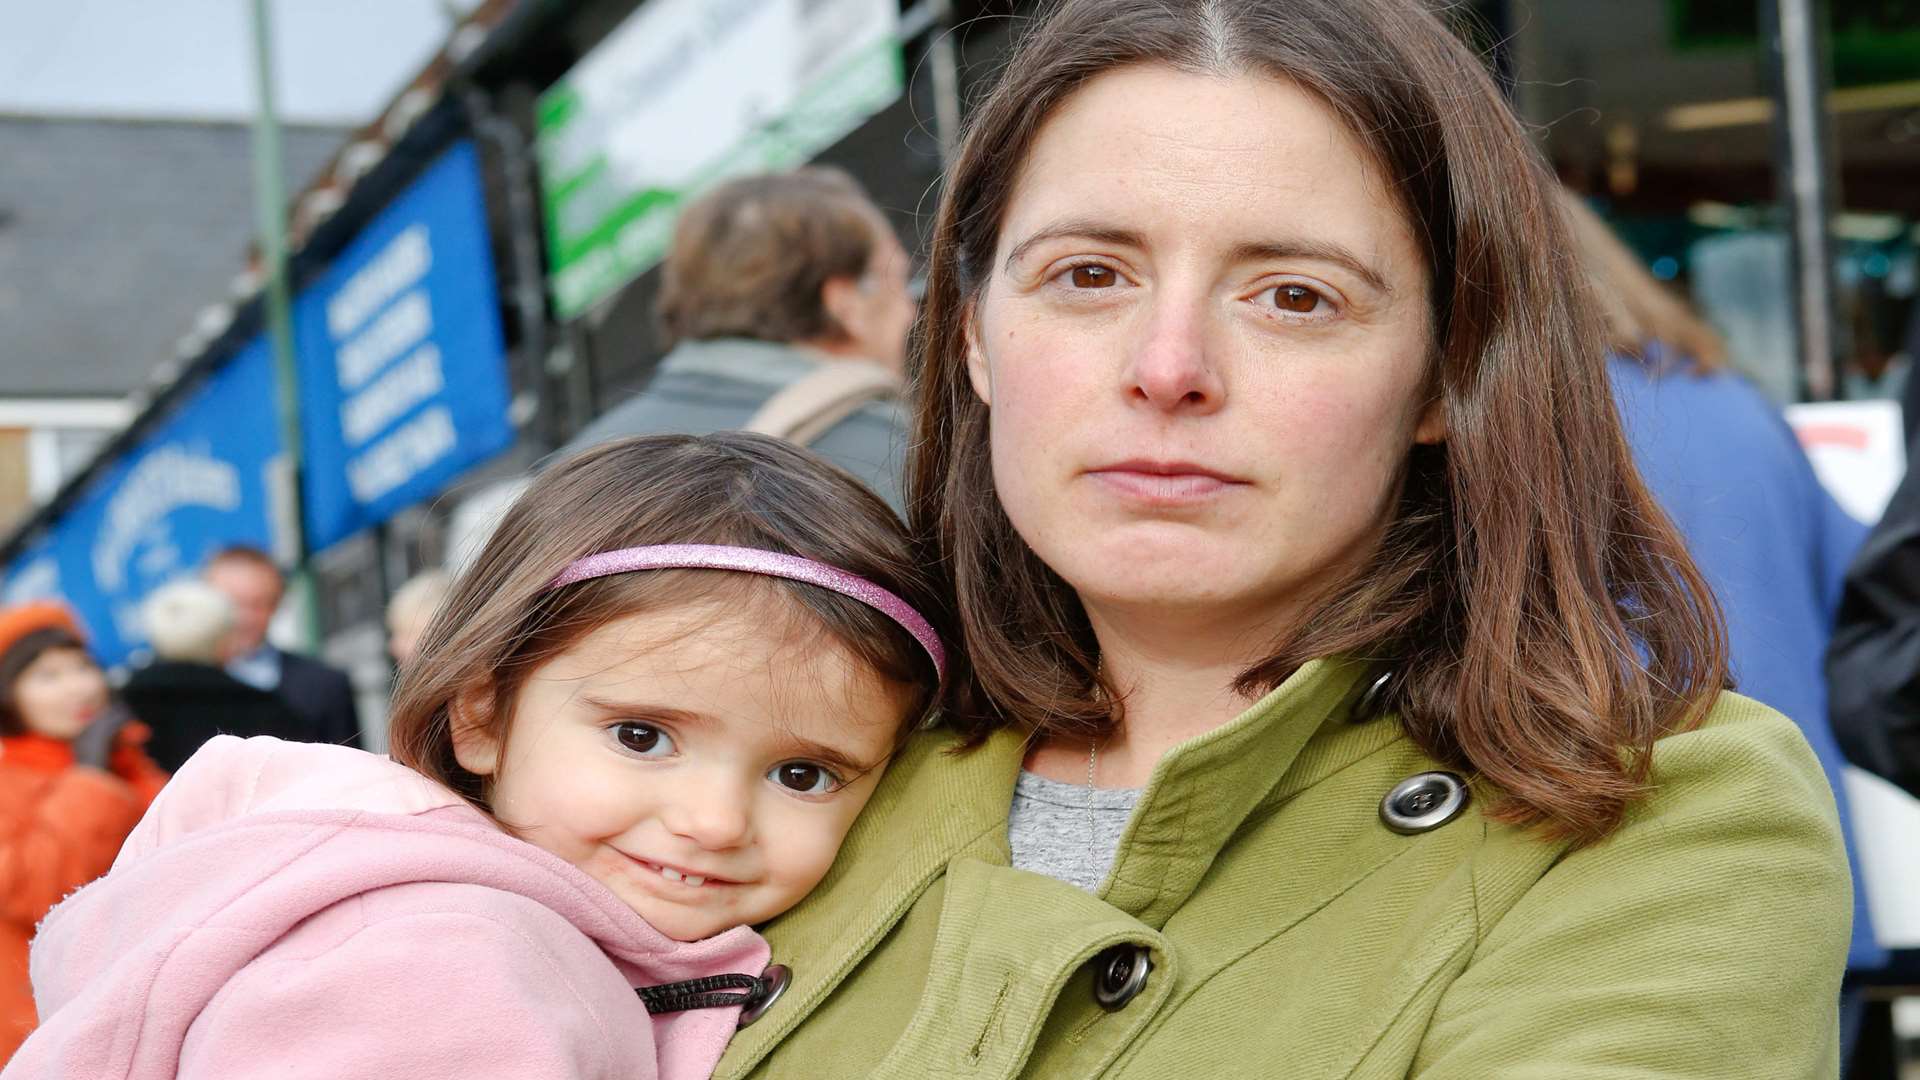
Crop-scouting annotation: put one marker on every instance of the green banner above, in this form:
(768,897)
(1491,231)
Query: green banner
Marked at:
(1874,41)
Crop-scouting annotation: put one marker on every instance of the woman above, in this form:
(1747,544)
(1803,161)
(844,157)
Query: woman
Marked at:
(73,782)
(1269,448)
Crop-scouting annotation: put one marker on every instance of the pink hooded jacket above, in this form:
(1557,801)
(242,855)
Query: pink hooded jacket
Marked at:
(303,911)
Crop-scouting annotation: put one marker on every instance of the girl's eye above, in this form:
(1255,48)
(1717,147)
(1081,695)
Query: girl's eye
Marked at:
(643,739)
(1091,276)
(1298,299)
(805,778)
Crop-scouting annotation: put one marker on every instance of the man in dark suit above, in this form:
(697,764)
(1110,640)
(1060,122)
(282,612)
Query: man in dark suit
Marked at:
(183,694)
(321,695)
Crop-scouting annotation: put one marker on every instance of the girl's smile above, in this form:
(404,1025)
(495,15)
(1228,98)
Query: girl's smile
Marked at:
(683,877)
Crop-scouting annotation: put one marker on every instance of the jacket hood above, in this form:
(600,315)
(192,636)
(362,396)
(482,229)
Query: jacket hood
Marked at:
(252,837)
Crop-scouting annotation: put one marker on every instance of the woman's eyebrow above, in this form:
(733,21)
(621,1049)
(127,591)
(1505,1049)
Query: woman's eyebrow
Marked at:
(1079,229)
(1320,250)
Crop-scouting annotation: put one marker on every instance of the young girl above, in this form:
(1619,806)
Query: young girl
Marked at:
(641,723)
(73,781)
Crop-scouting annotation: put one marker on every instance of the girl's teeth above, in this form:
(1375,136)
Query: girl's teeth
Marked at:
(671,874)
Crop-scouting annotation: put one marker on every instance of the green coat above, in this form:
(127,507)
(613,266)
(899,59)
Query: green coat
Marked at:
(1294,935)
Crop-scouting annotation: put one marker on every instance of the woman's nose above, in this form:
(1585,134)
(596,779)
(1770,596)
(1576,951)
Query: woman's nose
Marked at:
(1172,367)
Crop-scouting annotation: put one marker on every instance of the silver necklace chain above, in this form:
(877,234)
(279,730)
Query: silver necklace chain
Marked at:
(1093,824)
(1093,764)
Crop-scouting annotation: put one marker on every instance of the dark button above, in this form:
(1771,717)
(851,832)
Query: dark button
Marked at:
(773,983)
(1372,701)
(1119,974)
(1424,802)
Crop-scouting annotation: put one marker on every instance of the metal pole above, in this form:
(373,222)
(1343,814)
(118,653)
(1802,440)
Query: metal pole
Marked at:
(1809,182)
(529,289)
(270,214)
(944,58)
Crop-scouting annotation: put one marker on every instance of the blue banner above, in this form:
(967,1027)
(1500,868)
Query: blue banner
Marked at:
(403,381)
(199,481)
(403,387)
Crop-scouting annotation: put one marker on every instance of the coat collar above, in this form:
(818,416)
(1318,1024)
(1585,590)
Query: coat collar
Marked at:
(1203,790)
(937,804)
(769,364)
(762,363)
(37,753)
(42,754)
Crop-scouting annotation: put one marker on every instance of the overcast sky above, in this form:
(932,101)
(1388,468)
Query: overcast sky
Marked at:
(338,61)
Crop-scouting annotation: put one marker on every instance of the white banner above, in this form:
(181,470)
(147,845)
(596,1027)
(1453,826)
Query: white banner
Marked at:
(688,92)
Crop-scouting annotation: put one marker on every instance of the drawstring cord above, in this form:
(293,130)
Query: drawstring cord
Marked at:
(753,994)
(703,993)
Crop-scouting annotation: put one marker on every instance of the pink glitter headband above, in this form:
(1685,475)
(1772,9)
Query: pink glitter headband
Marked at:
(755,561)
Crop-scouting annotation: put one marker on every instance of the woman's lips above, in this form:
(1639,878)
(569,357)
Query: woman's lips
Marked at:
(1165,483)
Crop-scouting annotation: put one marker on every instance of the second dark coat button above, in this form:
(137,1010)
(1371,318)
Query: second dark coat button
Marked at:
(1119,974)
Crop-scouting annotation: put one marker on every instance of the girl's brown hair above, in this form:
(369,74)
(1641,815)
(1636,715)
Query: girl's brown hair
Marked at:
(1543,618)
(500,622)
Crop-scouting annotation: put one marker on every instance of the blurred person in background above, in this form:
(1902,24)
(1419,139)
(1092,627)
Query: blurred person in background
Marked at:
(411,610)
(73,781)
(785,303)
(184,695)
(321,696)
(1724,464)
(1875,660)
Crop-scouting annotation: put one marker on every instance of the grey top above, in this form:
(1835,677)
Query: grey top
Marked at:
(717,385)
(1068,831)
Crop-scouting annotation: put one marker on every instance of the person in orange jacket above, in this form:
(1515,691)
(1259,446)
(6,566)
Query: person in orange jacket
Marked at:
(73,782)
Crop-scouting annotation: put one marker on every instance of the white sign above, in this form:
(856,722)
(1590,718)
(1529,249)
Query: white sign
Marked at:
(1885,821)
(688,92)
(1858,450)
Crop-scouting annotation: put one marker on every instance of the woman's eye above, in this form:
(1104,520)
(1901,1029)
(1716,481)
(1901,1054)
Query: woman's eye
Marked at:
(1298,299)
(1090,276)
(644,739)
(805,778)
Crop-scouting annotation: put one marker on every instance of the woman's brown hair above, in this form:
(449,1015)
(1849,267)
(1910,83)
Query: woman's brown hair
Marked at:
(750,257)
(1644,319)
(501,622)
(1541,614)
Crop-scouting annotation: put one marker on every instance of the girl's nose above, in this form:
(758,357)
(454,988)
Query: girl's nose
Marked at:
(1172,367)
(716,816)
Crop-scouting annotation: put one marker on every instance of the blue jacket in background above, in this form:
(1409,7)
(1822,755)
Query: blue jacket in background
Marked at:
(1771,542)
